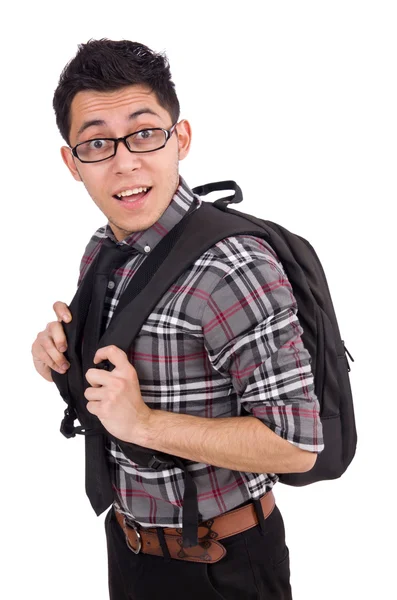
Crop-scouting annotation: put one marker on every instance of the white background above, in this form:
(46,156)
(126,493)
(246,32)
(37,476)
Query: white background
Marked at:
(296,101)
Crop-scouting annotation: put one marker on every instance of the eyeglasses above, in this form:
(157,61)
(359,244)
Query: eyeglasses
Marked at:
(145,140)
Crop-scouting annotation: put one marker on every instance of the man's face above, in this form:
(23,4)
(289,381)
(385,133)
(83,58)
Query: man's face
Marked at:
(157,170)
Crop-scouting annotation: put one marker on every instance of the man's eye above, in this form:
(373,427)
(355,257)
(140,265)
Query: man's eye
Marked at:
(144,135)
(97,144)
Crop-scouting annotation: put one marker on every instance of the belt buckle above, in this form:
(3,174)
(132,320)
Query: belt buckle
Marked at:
(138,536)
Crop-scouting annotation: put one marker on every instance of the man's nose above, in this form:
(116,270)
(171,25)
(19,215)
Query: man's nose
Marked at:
(124,160)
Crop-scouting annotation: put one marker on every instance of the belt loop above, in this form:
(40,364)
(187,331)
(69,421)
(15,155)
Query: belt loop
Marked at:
(163,544)
(260,515)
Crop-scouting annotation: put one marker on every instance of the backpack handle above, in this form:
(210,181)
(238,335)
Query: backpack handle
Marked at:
(222,203)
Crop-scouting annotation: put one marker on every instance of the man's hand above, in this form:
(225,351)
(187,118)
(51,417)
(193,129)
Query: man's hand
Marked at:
(49,345)
(115,396)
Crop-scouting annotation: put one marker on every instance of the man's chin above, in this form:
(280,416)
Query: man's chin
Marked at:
(121,230)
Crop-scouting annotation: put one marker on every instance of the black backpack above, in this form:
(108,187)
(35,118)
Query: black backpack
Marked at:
(321,337)
(198,231)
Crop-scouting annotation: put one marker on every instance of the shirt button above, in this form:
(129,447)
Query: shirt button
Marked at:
(111,285)
(147,249)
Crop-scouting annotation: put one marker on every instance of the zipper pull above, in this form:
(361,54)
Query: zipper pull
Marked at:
(346,350)
(350,356)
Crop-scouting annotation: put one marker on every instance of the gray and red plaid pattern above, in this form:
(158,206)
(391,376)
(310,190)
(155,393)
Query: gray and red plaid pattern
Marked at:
(223,341)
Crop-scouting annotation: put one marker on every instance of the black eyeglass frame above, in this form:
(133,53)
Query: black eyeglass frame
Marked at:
(168,134)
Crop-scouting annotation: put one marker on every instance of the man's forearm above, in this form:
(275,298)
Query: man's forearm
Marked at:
(236,443)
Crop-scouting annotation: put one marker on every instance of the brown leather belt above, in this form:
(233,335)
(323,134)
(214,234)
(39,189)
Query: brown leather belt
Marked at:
(209,550)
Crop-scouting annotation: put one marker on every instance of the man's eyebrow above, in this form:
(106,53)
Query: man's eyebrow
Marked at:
(101,122)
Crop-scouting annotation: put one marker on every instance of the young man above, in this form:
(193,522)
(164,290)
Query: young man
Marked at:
(218,374)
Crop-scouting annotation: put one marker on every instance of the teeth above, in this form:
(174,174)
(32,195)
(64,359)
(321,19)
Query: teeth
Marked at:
(132,192)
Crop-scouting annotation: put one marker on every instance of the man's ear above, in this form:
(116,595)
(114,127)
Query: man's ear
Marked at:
(184,133)
(68,159)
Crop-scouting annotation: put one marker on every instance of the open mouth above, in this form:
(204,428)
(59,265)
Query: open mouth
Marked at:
(130,198)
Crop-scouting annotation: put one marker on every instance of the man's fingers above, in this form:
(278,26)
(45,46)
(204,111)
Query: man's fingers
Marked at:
(55,360)
(47,351)
(50,344)
(114,354)
(46,374)
(97,377)
(50,356)
(56,331)
(62,312)
(42,368)
(95,394)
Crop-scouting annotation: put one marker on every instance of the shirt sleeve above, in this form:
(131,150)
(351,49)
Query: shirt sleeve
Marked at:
(252,335)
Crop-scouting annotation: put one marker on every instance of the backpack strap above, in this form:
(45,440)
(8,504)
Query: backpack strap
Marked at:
(204,228)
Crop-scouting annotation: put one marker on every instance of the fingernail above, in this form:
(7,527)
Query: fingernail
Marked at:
(62,348)
(66,318)
(64,366)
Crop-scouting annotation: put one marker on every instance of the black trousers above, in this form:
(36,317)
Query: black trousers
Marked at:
(256,567)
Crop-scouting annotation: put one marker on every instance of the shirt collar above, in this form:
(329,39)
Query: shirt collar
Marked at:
(145,241)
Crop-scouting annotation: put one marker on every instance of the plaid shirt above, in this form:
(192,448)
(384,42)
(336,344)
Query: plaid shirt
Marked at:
(223,341)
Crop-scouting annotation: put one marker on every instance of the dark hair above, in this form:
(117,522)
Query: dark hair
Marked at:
(106,65)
